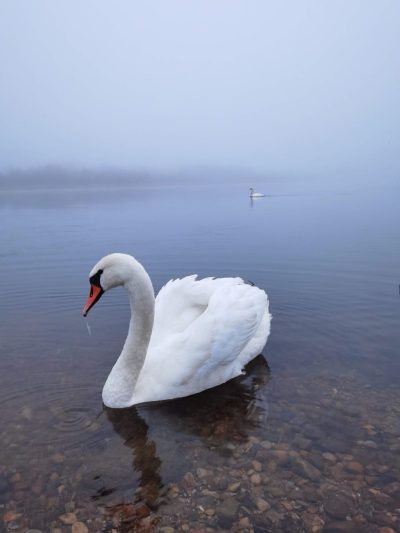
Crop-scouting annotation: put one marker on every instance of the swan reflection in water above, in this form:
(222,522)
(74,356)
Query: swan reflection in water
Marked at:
(174,437)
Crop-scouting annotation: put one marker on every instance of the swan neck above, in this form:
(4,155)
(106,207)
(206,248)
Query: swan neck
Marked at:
(141,301)
(120,385)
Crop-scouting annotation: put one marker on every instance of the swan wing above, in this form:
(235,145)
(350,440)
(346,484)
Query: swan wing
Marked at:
(209,349)
(181,301)
(233,318)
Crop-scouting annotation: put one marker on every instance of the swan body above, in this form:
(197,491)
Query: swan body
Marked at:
(194,335)
(255,194)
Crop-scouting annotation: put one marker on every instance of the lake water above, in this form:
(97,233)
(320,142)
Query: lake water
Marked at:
(308,440)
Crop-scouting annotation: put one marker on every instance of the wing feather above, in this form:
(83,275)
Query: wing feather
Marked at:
(206,347)
(181,301)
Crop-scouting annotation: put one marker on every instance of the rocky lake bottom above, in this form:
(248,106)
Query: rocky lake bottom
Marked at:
(323,456)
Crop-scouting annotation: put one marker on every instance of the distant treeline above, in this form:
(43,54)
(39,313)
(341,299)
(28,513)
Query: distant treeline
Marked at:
(57,177)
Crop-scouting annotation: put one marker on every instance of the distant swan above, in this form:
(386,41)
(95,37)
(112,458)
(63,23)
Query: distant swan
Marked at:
(255,194)
(195,335)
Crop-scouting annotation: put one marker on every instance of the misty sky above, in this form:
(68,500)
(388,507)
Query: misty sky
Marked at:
(286,86)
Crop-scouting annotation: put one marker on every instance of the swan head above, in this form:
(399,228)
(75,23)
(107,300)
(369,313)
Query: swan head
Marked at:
(111,271)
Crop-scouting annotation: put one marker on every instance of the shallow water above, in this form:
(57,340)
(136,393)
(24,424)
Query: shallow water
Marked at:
(309,441)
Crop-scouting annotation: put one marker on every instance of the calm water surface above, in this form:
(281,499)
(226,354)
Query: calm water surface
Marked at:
(308,440)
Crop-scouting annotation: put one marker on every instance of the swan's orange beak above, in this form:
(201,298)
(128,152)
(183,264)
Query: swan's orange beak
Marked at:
(94,296)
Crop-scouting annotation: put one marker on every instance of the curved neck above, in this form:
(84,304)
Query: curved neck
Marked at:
(120,384)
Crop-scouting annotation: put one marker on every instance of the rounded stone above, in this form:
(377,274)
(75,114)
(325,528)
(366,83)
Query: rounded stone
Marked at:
(228,508)
(79,527)
(233,487)
(262,505)
(329,457)
(68,518)
(244,523)
(338,505)
(266,444)
(256,479)
(355,468)
(257,465)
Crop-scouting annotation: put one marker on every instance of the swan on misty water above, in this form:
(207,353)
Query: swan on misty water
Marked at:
(194,335)
(255,194)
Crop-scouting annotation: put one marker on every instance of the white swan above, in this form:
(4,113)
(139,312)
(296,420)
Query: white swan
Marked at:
(255,194)
(193,336)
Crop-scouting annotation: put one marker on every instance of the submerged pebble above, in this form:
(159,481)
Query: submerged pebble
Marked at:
(262,505)
(79,527)
(68,518)
(228,508)
(338,505)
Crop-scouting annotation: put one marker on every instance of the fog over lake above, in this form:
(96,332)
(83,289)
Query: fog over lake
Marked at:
(295,88)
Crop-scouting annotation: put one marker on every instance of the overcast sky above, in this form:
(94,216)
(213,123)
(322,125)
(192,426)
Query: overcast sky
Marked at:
(305,86)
